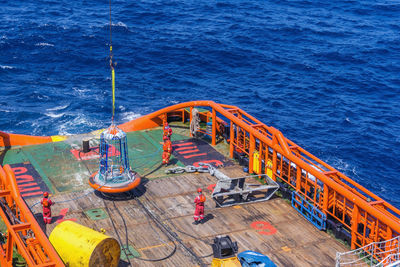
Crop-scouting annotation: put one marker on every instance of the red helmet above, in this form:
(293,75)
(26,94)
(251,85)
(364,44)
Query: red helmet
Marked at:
(45,194)
(199,190)
(165,137)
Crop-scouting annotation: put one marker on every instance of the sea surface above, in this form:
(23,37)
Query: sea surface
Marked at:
(325,73)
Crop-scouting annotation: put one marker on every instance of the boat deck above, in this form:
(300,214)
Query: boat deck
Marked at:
(158,215)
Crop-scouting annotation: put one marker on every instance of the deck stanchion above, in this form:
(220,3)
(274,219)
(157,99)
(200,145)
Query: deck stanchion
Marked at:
(266,160)
(326,198)
(260,150)
(354,225)
(389,236)
(274,156)
(231,139)
(298,179)
(190,119)
(251,152)
(10,246)
(214,127)
(274,160)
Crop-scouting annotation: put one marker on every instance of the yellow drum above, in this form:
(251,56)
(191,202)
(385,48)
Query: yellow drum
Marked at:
(78,245)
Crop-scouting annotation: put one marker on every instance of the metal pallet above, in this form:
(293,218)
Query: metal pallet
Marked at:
(235,191)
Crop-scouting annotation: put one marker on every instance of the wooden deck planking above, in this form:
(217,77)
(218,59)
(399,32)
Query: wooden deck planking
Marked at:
(296,242)
(293,230)
(179,258)
(178,185)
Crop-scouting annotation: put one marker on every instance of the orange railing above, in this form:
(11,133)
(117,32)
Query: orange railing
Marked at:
(367,217)
(23,230)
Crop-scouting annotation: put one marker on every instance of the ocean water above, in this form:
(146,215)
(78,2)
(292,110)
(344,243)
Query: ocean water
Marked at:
(325,73)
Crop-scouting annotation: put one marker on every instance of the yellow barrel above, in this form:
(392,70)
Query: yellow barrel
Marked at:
(79,245)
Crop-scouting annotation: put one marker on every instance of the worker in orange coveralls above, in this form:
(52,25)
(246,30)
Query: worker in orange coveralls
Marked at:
(46,203)
(167,149)
(167,130)
(199,211)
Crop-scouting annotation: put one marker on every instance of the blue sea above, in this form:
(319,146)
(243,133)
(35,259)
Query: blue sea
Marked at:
(325,73)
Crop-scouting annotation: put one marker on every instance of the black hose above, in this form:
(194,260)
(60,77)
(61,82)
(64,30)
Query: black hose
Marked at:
(172,233)
(116,232)
(126,234)
(169,233)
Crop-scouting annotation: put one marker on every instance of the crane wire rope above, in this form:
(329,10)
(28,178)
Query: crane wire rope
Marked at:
(161,226)
(112,70)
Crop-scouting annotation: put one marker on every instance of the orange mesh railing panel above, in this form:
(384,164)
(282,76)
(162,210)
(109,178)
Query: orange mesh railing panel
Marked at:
(366,216)
(23,230)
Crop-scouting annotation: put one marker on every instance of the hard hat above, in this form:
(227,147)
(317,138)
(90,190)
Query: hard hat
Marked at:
(45,194)
(199,190)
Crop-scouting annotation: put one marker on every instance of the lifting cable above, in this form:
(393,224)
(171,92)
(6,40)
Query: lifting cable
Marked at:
(112,71)
(169,233)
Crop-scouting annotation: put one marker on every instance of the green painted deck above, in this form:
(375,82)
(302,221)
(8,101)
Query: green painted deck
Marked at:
(62,172)
(273,228)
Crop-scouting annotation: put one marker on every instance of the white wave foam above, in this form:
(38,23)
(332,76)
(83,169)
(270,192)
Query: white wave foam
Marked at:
(36,127)
(120,24)
(43,44)
(6,67)
(79,120)
(128,116)
(80,91)
(54,115)
(57,108)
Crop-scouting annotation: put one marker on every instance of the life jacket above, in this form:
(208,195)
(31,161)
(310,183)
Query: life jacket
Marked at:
(167,146)
(45,202)
(167,130)
(201,199)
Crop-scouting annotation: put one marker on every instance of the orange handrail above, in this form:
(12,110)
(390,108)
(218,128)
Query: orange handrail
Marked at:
(344,177)
(23,229)
(274,139)
(8,140)
(341,198)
